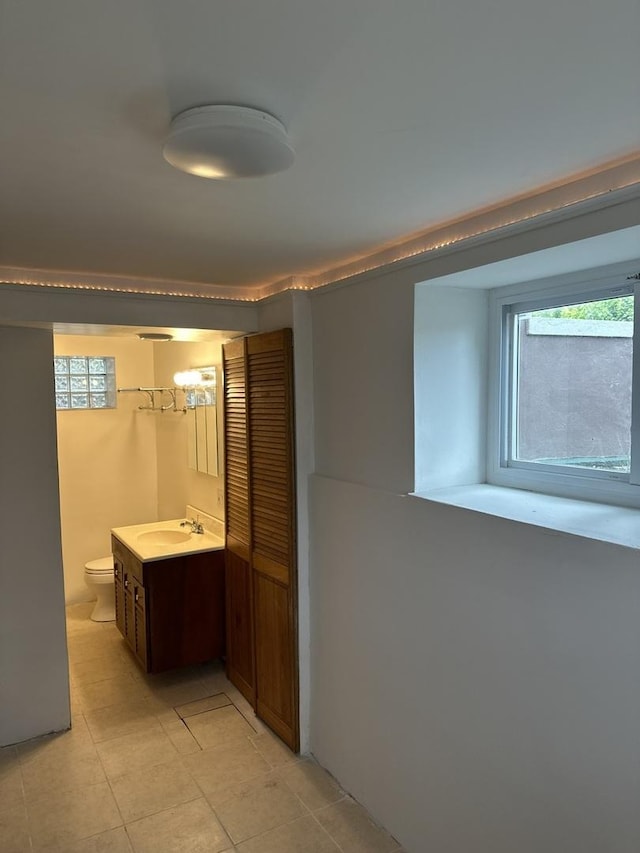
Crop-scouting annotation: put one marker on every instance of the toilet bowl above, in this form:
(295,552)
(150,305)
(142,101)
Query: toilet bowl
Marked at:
(98,576)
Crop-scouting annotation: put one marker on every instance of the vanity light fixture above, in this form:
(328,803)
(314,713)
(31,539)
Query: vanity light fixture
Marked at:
(223,141)
(199,378)
(187,378)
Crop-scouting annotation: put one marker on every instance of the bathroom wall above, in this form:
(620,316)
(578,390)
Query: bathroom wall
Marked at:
(179,485)
(107,459)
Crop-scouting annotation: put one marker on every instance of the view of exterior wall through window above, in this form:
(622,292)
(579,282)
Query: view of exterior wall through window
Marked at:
(85,382)
(572,370)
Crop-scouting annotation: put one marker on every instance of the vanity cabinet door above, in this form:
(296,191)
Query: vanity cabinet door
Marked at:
(123,592)
(140,624)
(185,602)
(137,630)
(118,577)
(129,634)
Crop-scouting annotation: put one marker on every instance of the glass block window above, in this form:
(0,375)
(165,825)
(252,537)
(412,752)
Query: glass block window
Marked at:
(85,382)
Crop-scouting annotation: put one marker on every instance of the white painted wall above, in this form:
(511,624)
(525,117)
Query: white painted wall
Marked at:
(106,459)
(474,680)
(34,681)
(363,377)
(450,379)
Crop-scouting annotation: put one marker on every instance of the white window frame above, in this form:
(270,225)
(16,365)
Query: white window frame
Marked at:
(586,484)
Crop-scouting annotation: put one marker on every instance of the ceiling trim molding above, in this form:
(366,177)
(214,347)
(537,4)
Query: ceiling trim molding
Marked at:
(125,284)
(605,187)
(597,189)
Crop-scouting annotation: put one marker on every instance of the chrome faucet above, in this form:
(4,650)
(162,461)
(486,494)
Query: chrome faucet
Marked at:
(196,526)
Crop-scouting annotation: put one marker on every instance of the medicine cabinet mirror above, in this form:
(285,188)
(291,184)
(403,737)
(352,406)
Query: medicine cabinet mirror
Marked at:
(200,386)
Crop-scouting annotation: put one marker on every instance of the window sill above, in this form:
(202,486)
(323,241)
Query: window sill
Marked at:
(602,522)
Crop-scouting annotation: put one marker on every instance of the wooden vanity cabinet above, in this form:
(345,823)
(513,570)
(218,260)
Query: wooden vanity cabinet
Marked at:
(171,612)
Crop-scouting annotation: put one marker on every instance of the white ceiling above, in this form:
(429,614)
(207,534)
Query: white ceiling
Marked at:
(404,115)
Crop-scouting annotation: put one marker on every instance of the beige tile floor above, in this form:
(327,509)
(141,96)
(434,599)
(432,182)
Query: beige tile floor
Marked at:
(173,763)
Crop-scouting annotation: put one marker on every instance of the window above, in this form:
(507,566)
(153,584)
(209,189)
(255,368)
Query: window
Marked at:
(565,419)
(513,411)
(85,382)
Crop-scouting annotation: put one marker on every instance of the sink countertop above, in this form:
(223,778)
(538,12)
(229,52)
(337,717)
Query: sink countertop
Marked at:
(148,552)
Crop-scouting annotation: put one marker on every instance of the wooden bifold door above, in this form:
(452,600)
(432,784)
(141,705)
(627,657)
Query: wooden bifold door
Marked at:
(261,577)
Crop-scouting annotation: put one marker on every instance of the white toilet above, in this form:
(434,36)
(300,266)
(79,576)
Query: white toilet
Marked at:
(98,576)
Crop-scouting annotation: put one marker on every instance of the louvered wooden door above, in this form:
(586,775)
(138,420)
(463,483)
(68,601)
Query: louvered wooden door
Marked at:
(265,408)
(239,599)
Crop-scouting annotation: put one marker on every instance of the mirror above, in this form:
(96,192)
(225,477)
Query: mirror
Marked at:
(199,386)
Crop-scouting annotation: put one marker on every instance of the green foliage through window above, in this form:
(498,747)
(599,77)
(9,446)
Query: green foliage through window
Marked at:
(620,308)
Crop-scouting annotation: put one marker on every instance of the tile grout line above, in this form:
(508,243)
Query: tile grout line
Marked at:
(326,831)
(206,711)
(315,817)
(253,779)
(273,828)
(347,797)
(25,809)
(308,811)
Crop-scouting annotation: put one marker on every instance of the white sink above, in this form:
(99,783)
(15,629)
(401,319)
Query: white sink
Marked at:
(161,540)
(163,537)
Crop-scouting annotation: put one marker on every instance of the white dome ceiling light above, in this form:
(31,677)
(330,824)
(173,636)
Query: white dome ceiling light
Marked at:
(224,141)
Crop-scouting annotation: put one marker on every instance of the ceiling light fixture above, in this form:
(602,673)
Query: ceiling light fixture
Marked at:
(154,336)
(225,141)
